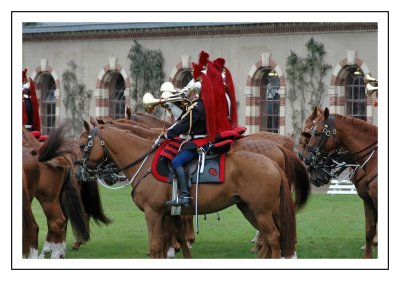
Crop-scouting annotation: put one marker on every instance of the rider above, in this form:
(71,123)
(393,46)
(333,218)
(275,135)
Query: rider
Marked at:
(30,106)
(196,127)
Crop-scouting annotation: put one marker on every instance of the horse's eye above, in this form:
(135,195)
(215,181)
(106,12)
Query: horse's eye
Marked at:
(82,146)
(317,133)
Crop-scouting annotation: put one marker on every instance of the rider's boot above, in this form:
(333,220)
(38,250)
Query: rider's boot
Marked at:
(184,195)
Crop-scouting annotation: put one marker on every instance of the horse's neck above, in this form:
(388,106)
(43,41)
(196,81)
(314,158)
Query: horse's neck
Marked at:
(353,138)
(124,148)
(138,130)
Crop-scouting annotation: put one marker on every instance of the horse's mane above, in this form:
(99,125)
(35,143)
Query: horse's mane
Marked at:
(130,125)
(125,131)
(29,140)
(355,122)
(146,115)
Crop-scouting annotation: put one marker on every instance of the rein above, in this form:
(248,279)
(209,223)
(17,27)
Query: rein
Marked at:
(92,174)
(334,164)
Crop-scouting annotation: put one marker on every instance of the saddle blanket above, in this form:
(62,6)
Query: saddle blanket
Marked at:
(214,166)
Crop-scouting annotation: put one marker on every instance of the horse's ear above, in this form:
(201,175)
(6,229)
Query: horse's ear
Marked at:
(314,113)
(93,121)
(326,113)
(128,113)
(86,125)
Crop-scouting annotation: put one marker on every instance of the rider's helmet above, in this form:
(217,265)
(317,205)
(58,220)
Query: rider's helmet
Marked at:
(167,87)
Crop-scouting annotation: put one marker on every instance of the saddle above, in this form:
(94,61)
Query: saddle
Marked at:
(214,163)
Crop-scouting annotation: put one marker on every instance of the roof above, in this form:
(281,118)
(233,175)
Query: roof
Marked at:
(51,27)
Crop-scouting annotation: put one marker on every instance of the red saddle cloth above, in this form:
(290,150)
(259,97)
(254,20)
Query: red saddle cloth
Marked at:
(39,136)
(214,166)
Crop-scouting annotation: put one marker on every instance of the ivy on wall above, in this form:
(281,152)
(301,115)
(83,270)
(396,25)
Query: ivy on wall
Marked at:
(305,80)
(76,98)
(146,70)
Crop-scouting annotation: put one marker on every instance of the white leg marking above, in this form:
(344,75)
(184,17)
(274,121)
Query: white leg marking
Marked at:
(46,250)
(255,237)
(171,253)
(33,253)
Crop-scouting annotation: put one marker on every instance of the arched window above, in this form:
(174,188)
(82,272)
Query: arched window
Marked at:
(356,100)
(182,78)
(117,98)
(48,104)
(186,78)
(269,102)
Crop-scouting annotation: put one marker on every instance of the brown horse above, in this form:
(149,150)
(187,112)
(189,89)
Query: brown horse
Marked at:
(261,193)
(318,176)
(333,132)
(62,198)
(30,180)
(258,143)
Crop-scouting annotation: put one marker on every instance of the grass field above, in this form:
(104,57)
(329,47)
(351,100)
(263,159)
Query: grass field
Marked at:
(330,226)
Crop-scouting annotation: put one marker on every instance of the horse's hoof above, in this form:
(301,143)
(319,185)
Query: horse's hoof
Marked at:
(76,246)
(254,250)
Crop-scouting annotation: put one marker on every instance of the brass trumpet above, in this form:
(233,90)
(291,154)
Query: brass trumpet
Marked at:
(371,84)
(150,103)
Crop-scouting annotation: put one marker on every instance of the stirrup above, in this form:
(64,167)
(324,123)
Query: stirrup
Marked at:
(179,201)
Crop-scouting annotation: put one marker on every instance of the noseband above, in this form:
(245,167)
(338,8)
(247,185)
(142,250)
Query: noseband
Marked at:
(329,128)
(106,168)
(335,163)
(87,173)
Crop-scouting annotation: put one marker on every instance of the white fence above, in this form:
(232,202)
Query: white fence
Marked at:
(342,187)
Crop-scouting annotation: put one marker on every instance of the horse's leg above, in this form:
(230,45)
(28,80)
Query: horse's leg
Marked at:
(370,228)
(56,224)
(154,227)
(270,233)
(189,230)
(180,236)
(250,217)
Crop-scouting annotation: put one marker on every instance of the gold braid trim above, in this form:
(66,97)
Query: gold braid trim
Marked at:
(189,111)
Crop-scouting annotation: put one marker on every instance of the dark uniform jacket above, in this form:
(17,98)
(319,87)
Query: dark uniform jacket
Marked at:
(198,126)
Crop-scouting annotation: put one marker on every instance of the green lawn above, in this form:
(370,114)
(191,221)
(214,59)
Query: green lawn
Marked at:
(330,226)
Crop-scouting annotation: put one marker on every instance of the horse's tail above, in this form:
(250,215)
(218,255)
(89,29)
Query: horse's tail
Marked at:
(298,177)
(92,202)
(73,208)
(55,145)
(29,230)
(287,218)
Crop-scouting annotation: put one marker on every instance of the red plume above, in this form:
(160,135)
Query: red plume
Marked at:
(24,76)
(219,63)
(203,58)
(197,68)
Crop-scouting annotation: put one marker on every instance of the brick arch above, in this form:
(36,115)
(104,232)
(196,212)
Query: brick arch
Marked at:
(37,75)
(38,71)
(256,72)
(337,86)
(340,70)
(252,94)
(176,74)
(102,91)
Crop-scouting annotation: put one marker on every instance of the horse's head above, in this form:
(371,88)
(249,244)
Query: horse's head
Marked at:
(307,128)
(93,151)
(323,138)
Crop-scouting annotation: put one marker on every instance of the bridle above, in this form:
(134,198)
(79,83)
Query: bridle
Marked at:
(87,173)
(335,162)
(106,168)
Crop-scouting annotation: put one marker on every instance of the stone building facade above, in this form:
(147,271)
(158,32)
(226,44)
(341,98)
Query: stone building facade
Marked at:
(255,53)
